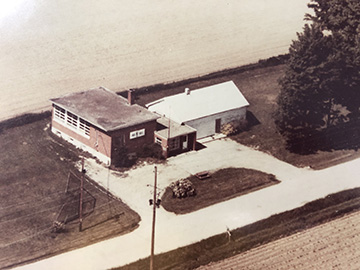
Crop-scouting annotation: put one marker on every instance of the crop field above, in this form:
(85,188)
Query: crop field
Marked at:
(333,245)
(318,235)
(36,170)
(52,48)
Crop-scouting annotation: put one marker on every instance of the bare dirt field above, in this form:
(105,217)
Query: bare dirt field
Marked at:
(50,48)
(333,245)
(34,169)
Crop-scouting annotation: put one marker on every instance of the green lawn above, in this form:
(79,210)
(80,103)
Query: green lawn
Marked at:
(260,86)
(223,185)
(34,168)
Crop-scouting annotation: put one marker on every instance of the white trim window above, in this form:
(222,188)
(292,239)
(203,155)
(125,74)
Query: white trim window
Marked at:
(158,140)
(84,127)
(137,133)
(72,121)
(59,113)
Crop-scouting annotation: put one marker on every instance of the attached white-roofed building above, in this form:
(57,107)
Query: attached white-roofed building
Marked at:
(205,109)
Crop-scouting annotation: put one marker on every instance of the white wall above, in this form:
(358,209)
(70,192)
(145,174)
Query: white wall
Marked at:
(206,126)
(82,146)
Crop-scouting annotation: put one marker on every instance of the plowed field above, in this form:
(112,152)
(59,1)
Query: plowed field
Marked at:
(51,48)
(333,245)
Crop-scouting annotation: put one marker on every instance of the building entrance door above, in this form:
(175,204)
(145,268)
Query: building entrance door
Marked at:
(185,142)
(218,125)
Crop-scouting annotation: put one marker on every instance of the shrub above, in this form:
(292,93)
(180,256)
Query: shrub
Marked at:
(182,188)
(153,151)
(121,158)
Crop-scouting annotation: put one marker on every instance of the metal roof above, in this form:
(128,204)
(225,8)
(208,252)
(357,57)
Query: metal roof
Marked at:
(104,109)
(200,103)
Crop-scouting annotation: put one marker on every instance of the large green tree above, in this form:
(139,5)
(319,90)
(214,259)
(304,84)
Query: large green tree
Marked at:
(337,16)
(305,101)
(321,86)
(341,19)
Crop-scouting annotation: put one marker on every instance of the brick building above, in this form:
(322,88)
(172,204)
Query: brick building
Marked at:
(103,123)
(174,138)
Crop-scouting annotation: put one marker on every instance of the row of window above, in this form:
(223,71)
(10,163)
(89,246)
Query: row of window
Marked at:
(83,126)
(137,133)
(72,120)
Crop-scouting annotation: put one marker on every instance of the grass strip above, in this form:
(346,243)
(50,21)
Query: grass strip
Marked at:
(277,226)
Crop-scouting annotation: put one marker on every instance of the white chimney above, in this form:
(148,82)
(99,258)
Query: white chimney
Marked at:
(187,91)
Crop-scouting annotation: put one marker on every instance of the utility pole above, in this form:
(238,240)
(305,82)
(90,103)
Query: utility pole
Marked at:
(81,194)
(155,202)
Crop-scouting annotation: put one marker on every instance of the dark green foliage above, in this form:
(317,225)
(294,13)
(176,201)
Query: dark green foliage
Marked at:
(23,120)
(151,151)
(337,16)
(321,87)
(121,158)
(305,100)
(341,18)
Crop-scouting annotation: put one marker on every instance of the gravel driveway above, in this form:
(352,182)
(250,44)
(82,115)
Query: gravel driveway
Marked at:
(298,186)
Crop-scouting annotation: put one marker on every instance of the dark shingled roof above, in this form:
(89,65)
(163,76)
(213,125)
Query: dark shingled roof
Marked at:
(104,109)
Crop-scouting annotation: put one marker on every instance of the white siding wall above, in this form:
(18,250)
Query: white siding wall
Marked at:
(206,126)
(82,146)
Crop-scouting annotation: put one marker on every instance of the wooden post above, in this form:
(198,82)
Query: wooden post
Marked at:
(228,233)
(81,194)
(153,224)
(68,182)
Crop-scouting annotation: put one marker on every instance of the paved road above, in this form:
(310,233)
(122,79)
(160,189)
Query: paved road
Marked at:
(297,187)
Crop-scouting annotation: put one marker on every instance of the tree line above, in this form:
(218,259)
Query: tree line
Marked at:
(320,91)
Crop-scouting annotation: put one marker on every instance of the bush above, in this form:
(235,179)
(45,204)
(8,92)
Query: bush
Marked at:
(153,151)
(182,188)
(121,158)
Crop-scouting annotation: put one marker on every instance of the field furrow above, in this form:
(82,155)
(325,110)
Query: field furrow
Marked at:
(333,245)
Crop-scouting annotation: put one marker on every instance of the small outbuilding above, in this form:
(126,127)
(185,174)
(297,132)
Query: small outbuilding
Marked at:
(103,123)
(205,110)
(174,138)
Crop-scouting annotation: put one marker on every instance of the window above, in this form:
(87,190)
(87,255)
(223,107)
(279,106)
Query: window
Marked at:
(174,143)
(218,125)
(59,113)
(137,133)
(76,123)
(72,120)
(158,140)
(84,127)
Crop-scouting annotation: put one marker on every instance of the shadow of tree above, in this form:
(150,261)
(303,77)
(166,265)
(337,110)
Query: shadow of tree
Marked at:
(345,136)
